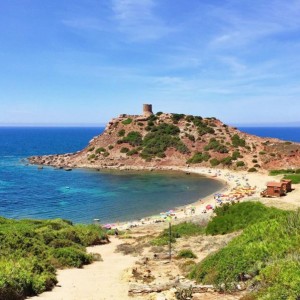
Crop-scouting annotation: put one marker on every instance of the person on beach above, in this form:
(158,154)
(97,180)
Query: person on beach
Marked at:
(116,232)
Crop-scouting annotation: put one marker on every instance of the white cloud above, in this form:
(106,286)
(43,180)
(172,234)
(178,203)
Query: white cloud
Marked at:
(137,19)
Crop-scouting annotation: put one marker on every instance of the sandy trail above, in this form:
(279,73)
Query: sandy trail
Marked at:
(98,281)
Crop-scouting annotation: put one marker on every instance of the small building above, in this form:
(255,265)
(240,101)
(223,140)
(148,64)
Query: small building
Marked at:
(287,185)
(274,189)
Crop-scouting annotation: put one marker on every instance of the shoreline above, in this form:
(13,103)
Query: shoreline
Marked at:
(229,178)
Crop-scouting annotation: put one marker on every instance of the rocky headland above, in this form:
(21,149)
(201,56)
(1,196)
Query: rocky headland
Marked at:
(164,140)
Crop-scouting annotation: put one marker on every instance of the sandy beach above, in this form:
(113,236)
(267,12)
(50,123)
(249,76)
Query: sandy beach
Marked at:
(103,280)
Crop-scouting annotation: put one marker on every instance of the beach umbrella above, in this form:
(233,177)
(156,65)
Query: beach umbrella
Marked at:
(107,226)
(209,206)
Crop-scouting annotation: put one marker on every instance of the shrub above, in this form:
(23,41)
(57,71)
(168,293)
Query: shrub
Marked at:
(262,152)
(121,132)
(199,157)
(295,178)
(133,138)
(254,161)
(100,150)
(71,257)
(132,152)
(267,250)
(236,155)
(227,161)
(127,121)
(162,137)
(214,162)
(92,156)
(240,164)
(159,113)
(179,230)
(216,145)
(186,253)
(32,249)
(237,141)
(251,170)
(236,216)
(140,124)
(176,117)
(124,150)
(110,147)
(91,149)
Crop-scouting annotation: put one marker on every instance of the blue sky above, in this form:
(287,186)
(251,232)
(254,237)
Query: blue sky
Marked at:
(84,62)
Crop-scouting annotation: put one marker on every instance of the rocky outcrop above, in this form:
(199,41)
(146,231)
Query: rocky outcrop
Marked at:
(163,139)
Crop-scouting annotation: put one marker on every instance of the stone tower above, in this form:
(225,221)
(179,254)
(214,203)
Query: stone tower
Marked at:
(147,110)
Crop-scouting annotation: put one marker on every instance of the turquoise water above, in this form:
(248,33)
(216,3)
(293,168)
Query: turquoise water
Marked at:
(83,195)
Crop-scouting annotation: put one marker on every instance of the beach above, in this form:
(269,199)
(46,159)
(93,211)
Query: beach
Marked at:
(105,279)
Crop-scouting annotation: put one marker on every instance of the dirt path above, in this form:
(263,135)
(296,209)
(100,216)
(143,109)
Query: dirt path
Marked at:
(98,281)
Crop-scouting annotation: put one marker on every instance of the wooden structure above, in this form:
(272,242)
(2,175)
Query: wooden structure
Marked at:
(274,189)
(287,185)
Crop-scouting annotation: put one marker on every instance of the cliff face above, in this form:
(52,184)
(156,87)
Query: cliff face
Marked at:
(176,140)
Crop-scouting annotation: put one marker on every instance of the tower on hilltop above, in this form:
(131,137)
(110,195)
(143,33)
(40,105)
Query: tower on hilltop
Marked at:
(147,110)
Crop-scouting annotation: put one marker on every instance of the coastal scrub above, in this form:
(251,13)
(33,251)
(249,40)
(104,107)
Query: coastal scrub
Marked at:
(31,250)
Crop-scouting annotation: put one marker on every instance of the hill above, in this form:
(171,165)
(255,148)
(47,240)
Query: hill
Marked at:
(170,139)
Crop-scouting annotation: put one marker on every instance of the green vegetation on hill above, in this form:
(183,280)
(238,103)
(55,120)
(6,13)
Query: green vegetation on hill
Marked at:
(134,138)
(291,174)
(199,157)
(31,250)
(159,139)
(237,141)
(179,230)
(127,121)
(265,255)
(237,216)
(295,178)
(216,145)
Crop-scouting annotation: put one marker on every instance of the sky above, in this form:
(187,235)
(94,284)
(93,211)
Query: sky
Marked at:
(85,62)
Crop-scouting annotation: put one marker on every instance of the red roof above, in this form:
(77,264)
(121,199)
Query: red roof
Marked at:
(274,184)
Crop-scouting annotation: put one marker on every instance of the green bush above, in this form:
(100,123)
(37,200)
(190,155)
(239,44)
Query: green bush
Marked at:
(124,150)
(214,162)
(186,253)
(262,152)
(92,156)
(132,152)
(134,138)
(284,171)
(162,137)
(237,141)
(226,161)
(199,157)
(100,150)
(240,164)
(236,155)
(236,216)
(110,147)
(91,149)
(251,170)
(30,251)
(295,178)
(121,132)
(268,251)
(179,230)
(176,117)
(127,121)
(215,145)
(71,257)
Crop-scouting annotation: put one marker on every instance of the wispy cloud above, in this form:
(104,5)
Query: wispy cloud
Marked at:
(138,20)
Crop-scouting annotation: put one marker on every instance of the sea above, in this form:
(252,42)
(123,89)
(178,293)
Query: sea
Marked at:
(83,195)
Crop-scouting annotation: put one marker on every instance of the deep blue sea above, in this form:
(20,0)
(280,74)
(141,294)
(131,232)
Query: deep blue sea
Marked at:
(83,195)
